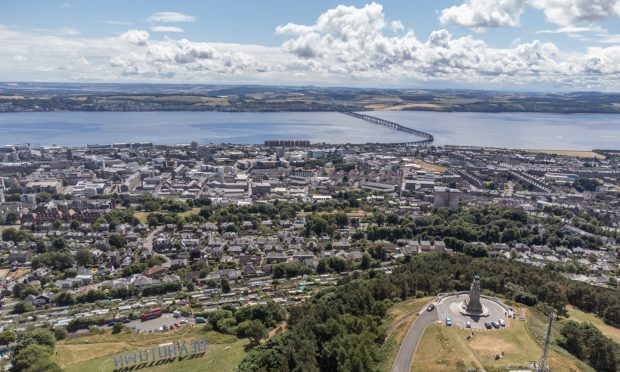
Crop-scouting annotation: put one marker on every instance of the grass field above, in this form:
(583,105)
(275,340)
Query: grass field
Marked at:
(142,216)
(430,166)
(447,349)
(94,353)
(607,330)
(573,153)
(400,318)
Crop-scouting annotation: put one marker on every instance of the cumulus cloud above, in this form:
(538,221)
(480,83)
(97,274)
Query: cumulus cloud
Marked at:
(482,14)
(166,29)
(137,37)
(345,45)
(170,17)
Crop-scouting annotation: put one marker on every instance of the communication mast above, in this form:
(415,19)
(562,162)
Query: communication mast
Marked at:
(543,363)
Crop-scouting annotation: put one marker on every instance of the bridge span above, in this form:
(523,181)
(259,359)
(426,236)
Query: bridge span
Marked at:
(425,138)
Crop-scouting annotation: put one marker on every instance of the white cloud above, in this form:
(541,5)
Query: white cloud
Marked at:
(344,46)
(137,37)
(484,13)
(570,12)
(571,30)
(506,13)
(170,17)
(166,29)
(69,31)
(397,26)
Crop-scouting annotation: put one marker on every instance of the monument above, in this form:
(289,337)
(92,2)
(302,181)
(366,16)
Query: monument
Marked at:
(472,305)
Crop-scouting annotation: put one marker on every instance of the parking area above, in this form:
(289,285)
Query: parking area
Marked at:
(450,307)
(155,325)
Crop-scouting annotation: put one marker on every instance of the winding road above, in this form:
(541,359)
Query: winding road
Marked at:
(403,360)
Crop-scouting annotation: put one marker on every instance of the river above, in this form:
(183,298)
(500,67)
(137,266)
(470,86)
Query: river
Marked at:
(515,130)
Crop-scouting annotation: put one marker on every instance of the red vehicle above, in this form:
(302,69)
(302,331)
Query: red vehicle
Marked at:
(155,313)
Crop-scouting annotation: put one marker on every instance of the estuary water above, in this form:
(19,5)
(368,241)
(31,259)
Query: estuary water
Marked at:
(515,130)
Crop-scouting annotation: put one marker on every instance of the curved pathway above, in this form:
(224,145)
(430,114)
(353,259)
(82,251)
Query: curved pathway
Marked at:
(403,360)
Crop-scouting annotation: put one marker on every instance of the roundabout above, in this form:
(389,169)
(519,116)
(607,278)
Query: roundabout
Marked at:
(471,309)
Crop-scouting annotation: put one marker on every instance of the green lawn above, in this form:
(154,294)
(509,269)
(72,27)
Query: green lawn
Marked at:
(94,353)
(447,349)
(580,316)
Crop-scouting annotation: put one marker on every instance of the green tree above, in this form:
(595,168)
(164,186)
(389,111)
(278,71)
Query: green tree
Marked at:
(43,197)
(225,285)
(35,358)
(366,261)
(12,218)
(117,240)
(256,331)
(64,299)
(83,257)
(22,307)
(7,336)
(342,220)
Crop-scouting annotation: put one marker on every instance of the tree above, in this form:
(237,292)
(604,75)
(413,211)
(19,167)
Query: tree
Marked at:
(44,197)
(75,225)
(22,307)
(60,333)
(256,331)
(225,285)
(36,336)
(59,244)
(14,235)
(64,299)
(366,261)
(12,218)
(117,328)
(7,336)
(83,257)
(342,220)
(117,240)
(35,358)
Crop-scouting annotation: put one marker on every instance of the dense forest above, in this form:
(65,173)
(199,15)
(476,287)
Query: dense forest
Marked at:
(340,329)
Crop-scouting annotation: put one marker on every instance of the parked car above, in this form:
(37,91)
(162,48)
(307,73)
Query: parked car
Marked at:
(487,325)
(448,322)
(468,324)
(184,321)
(430,307)
(495,324)
(502,322)
(200,319)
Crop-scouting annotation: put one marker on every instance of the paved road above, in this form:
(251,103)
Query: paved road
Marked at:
(410,343)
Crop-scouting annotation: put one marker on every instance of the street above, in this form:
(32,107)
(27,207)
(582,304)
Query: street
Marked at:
(404,358)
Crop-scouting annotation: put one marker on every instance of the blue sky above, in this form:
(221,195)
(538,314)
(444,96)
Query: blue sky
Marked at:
(507,44)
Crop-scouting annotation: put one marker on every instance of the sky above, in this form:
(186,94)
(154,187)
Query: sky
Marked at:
(535,45)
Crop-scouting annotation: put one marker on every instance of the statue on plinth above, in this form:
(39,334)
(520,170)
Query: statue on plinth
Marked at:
(472,304)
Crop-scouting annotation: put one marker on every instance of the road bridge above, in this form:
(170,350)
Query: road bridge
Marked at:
(425,138)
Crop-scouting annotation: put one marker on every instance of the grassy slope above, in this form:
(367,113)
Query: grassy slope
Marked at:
(91,353)
(446,349)
(400,318)
(607,330)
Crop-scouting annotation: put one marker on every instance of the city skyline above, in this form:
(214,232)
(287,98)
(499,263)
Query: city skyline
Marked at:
(492,44)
